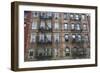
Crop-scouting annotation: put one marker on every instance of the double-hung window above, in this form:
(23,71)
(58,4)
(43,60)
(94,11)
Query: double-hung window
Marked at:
(56,37)
(77,17)
(34,25)
(66,37)
(65,26)
(56,15)
(42,25)
(56,25)
(73,26)
(33,38)
(78,27)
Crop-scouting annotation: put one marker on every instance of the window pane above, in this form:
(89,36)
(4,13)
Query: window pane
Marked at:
(73,36)
(78,27)
(83,17)
(33,37)
(31,53)
(56,15)
(84,26)
(42,25)
(49,24)
(48,36)
(34,25)
(56,25)
(72,26)
(65,26)
(56,37)
(86,38)
(41,37)
(67,49)
(79,37)
(35,14)
(77,17)
(66,37)
(72,16)
(65,15)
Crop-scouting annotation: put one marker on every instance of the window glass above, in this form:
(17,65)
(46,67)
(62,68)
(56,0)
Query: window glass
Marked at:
(86,38)
(72,16)
(31,53)
(42,25)
(33,37)
(79,37)
(41,37)
(85,26)
(65,15)
(56,15)
(83,17)
(56,25)
(78,27)
(35,14)
(66,37)
(73,36)
(48,37)
(77,17)
(72,26)
(56,37)
(65,26)
(34,25)
(67,51)
(49,24)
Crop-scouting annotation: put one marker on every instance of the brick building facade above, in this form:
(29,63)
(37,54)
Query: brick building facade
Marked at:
(56,35)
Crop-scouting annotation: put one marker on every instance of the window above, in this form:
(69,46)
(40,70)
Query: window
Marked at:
(35,14)
(78,37)
(41,38)
(55,52)
(46,51)
(84,26)
(71,16)
(80,52)
(40,52)
(65,16)
(66,37)
(43,14)
(67,51)
(48,24)
(31,53)
(74,50)
(72,26)
(56,15)
(56,37)
(49,51)
(42,25)
(77,27)
(34,25)
(86,38)
(65,26)
(73,37)
(33,38)
(56,25)
(77,17)
(48,37)
(83,17)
